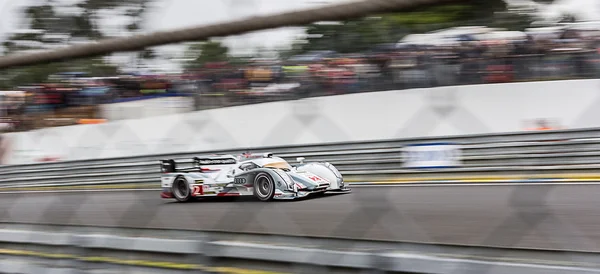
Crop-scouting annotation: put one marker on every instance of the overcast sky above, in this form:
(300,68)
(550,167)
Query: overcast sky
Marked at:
(172,14)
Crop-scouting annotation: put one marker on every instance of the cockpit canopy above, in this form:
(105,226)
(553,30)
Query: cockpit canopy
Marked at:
(279,165)
(248,156)
(273,162)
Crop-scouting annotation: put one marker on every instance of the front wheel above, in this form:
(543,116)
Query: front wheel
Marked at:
(264,187)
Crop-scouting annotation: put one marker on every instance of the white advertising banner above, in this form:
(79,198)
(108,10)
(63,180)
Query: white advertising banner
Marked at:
(434,155)
(166,126)
(147,108)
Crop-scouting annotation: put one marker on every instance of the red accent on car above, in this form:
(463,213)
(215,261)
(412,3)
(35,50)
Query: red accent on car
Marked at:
(224,194)
(166,195)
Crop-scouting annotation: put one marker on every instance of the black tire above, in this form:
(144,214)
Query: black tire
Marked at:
(181,190)
(264,187)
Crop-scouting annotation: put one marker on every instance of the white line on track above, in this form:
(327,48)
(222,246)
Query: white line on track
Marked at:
(366,185)
(74,191)
(357,185)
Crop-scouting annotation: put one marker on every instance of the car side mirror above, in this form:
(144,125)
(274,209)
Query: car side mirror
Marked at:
(300,159)
(246,166)
(231,173)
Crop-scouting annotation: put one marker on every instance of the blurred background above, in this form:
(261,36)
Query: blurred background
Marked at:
(434,171)
(472,42)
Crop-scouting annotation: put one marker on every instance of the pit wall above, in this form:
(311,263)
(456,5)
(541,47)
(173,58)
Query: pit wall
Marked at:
(443,111)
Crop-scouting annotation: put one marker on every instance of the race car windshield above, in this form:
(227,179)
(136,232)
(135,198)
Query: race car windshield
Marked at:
(279,165)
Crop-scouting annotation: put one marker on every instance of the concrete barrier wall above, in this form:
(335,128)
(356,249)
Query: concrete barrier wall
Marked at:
(147,108)
(111,250)
(443,111)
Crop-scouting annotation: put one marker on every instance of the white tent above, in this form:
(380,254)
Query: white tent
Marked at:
(503,35)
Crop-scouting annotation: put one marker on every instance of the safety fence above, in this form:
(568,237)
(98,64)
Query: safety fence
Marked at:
(550,155)
(30,249)
(367,230)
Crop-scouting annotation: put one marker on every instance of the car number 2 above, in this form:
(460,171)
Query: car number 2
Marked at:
(198,190)
(315,178)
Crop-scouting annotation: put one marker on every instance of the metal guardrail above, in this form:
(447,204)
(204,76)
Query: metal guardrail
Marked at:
(524,153)
(82,250)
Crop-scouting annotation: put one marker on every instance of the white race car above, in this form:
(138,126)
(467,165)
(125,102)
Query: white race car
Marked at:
(263,176)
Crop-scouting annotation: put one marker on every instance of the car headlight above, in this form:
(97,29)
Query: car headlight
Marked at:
(334,170)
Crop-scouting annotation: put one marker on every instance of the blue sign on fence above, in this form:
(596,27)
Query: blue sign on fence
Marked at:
(432,155)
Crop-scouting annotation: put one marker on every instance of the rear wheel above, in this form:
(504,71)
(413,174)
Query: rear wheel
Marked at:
(264,187)
(181,189)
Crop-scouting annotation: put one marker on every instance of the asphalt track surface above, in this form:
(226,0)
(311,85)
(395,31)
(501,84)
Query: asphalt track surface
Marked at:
(558,217)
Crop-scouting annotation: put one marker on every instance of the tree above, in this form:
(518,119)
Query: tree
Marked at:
(48,29)
(39,74)
(568,18)
(205,52)
(147,54)
(296,48)
(135,9)
(361,34)
(512,21)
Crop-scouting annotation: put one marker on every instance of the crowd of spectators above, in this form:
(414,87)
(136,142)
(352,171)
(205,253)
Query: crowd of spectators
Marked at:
(464,59)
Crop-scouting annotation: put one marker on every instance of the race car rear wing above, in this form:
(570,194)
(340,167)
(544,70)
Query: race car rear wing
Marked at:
(169,166)
(217,160)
